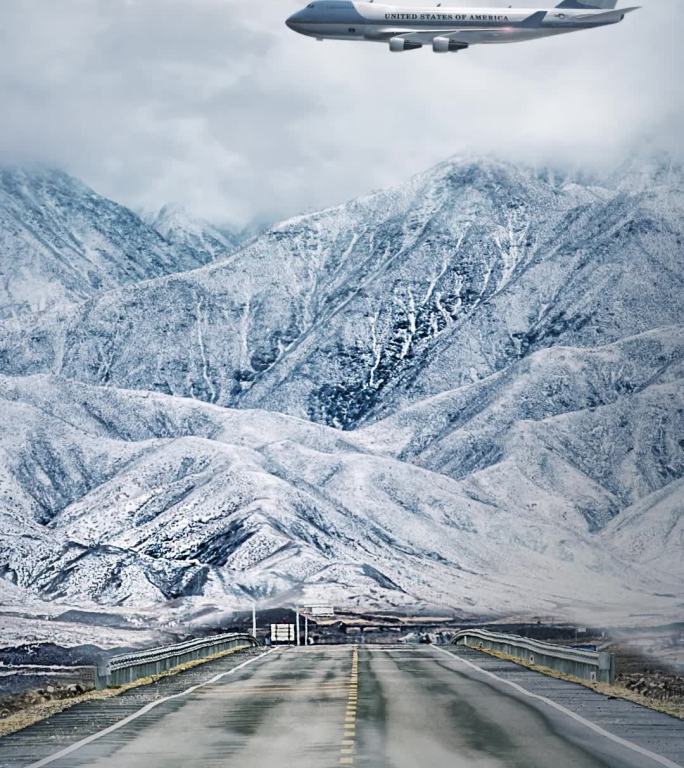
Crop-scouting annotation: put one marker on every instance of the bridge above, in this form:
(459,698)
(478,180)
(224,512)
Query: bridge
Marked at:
(377,706)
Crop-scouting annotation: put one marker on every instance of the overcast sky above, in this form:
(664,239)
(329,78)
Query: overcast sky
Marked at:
(217,106)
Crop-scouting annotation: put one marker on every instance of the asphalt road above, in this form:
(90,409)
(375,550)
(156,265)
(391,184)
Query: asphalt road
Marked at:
(380,707)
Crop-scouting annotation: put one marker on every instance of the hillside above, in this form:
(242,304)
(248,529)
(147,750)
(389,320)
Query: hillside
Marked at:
(61,242)
(344,316)
(131,498)
(465,391)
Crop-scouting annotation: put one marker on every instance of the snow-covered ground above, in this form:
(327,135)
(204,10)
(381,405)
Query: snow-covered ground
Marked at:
(61,242)
(178,227)
(502,348)
(122,497)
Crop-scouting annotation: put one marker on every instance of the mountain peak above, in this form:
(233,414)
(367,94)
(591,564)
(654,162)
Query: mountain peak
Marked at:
(648,170)
(61,242)
(178,226)
(509,339)
(40,180)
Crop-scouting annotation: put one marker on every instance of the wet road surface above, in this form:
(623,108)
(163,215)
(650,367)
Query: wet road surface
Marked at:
(372,707)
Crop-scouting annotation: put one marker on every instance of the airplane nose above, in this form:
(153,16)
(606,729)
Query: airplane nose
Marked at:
(295,21)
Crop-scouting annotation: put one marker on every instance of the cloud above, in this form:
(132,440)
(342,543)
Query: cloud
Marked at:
(216,105)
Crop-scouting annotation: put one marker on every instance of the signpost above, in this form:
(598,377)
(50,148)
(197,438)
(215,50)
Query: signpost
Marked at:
(283,633)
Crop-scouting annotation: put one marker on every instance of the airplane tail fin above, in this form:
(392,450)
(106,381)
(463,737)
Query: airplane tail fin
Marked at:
(588,4)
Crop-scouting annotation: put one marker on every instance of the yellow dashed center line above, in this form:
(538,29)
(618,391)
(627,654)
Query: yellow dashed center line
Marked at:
(348,745)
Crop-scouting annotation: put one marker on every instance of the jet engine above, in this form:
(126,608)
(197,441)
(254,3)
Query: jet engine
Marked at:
(447,45)
(400,44)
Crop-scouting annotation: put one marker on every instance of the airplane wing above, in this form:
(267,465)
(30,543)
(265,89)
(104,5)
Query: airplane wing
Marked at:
(410,35)
(465,35)
(426,37)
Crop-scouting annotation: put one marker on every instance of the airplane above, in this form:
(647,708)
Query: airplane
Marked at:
(448,29)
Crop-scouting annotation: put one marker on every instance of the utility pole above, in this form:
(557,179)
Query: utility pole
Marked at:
(306,629)
(254,620)
(297,623)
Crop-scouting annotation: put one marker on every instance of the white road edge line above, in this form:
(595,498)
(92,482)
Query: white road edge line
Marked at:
(596,728)
(143,710)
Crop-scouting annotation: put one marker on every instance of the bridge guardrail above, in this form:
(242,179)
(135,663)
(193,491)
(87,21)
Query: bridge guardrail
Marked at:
(598,666)
(128,667)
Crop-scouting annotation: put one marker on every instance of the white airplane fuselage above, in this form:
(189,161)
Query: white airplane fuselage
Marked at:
(446,29)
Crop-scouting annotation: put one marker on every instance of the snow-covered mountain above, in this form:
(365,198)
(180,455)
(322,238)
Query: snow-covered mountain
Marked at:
(61,242)
(351,313)
(128,497)
(590,431)
(177,226)
(502,348)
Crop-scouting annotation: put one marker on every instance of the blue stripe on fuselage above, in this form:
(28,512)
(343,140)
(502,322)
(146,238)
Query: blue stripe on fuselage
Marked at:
(329,12)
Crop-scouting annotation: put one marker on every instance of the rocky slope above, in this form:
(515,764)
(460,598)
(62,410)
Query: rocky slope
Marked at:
(346,315)
(130,497)
(60,242)
(502,349)
(176,226)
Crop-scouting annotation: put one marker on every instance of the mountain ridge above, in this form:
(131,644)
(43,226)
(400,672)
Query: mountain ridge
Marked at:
(61,242)
(465,391)
(280,352)
(196,516)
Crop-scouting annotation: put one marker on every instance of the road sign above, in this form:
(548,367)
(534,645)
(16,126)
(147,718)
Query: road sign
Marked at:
(283,633)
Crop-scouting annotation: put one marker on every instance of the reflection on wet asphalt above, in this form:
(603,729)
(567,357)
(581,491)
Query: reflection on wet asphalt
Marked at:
(367,706)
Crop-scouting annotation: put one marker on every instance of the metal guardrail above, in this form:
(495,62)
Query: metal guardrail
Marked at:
(598,666)
(132,666)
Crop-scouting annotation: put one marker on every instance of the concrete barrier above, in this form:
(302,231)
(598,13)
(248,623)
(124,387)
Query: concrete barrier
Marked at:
(586,665)
(132,666)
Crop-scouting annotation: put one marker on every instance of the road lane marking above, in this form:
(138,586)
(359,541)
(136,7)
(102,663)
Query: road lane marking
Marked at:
(142,711)
(596,728)
(348,745)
